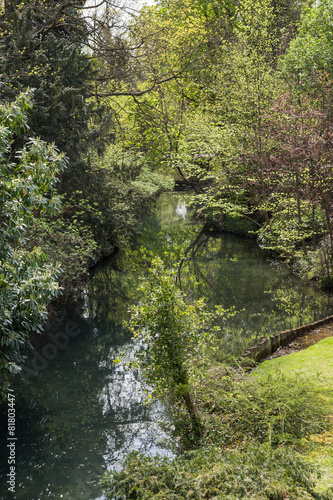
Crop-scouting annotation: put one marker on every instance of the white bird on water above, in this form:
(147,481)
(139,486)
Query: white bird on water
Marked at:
(181,210)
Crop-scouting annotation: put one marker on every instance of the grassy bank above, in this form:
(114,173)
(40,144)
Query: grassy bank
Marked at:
(316,364)
(268,435)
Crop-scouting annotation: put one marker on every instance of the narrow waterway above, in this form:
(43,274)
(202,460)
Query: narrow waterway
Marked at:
(78,413)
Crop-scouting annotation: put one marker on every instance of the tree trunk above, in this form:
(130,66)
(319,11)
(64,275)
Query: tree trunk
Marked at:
(299,213)
(313,229)
(197,426)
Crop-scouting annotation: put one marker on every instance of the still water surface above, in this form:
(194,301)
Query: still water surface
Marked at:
(77,412)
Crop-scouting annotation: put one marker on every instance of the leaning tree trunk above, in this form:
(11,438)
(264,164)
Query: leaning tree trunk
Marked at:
(197,426)
(181,381)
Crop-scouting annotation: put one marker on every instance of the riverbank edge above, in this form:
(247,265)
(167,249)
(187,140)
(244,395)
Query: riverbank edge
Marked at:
(307,268)
(268,345)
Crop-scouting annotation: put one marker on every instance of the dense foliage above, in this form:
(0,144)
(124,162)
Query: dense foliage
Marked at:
(258,474)
(36,53)
(28,282)
(242,116)
(52,47)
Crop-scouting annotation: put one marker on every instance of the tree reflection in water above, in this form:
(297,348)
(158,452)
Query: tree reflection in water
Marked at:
(82,413)
(235,273)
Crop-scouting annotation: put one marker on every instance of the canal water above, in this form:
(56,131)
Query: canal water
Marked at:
(77,412)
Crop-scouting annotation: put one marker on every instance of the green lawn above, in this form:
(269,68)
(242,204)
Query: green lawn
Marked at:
(316,362)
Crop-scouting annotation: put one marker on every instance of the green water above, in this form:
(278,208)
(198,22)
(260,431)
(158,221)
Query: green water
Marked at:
(77,413)
(261,295)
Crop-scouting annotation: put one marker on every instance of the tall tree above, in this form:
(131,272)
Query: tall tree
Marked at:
(291,177)
(50,60)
